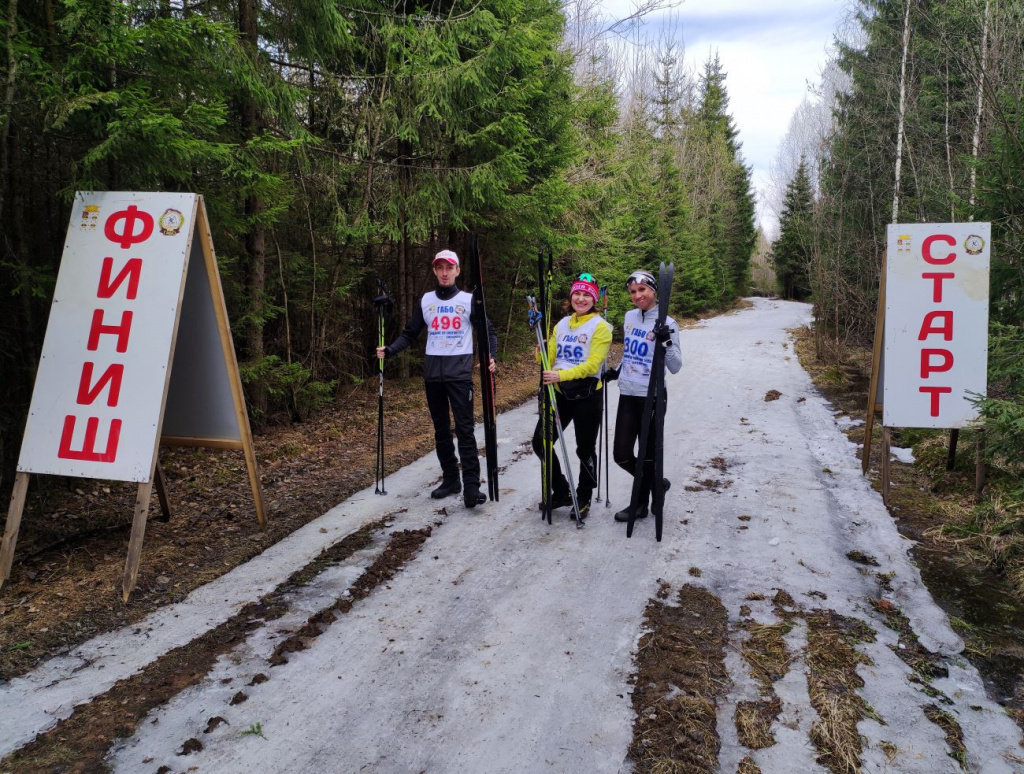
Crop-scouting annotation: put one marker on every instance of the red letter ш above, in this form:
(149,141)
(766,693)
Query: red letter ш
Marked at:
(937,277)
(926,249)
(927,368)
(131,271)
(935,393)
(121,331)
(929,326)
(88,451)
(88,392)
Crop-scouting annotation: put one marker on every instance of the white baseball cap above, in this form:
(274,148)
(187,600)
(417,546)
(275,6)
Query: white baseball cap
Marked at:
(446,255)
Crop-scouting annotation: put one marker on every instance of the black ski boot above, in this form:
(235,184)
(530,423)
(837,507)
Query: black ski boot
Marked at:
(557,501)
(449,486)
(473,496)
(584,508)
(623,515)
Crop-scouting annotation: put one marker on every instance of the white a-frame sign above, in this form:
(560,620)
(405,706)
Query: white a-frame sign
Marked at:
(138,352)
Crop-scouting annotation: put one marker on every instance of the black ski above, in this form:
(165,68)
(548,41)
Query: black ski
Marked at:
(483,346)
(540,317)
(654,419)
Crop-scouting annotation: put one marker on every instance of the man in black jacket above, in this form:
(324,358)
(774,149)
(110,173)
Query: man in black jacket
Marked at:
(448,374)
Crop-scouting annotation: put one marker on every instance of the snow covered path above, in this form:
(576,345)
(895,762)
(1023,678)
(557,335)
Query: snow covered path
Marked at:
(506,645)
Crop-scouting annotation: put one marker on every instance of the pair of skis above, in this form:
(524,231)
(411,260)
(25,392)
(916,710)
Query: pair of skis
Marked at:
(487,387)
(551,421)
(653,420)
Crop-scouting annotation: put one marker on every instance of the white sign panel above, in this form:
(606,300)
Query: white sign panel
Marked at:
(98,398)
(936,323)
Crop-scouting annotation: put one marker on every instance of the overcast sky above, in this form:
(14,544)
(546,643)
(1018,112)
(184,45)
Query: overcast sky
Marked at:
(771,50)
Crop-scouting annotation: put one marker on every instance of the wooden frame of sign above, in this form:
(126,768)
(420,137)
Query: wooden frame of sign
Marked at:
(962,300)
(181,381)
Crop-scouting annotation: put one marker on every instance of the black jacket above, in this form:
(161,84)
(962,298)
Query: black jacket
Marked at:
(439,368)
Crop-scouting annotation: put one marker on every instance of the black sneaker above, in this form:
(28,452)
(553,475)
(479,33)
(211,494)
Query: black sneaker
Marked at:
(447,489)
(474,497)
(623,515)
(557,501)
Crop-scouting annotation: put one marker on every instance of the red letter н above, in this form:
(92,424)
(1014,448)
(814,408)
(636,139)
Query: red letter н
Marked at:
(98,329)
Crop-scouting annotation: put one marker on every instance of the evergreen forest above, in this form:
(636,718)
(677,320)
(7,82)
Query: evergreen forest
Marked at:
(337,143)
(918,118)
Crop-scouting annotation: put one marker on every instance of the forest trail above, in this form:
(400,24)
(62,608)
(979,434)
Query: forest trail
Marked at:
(497,643)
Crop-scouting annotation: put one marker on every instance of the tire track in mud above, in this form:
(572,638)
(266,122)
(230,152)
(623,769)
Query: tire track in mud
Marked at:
(80,742)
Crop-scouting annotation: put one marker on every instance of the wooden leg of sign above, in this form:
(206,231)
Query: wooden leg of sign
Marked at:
(254,482)
(161,494)
(886,441)
(979,467)
(13,524)
(131,566)
(865,452)
(954,436)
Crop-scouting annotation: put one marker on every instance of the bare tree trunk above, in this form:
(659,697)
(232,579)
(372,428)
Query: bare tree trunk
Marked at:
(902,116)
(976,142)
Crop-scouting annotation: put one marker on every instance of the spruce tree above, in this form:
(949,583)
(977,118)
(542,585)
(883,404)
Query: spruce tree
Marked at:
(792,251)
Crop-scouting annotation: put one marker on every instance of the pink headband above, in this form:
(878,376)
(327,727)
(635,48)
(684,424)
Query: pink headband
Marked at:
(582,286)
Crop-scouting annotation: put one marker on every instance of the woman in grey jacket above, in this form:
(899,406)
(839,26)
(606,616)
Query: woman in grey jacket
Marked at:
(642,334)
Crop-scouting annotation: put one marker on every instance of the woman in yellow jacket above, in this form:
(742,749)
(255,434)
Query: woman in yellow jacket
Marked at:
(577,350)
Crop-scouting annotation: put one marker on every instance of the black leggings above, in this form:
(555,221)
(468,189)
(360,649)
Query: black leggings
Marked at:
(585,416)
(628,423)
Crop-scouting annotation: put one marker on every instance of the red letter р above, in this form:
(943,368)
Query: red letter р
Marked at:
(98,329)
(937,277)
(88,392)
(927,368)
(944,328)
(926,248)
(935,393)
(88,451)
(131,270)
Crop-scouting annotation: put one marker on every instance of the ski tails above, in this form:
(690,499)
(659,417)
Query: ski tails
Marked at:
(653,423)
(487,386)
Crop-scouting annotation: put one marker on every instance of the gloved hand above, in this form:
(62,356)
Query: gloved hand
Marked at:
(610,374)
(663,334)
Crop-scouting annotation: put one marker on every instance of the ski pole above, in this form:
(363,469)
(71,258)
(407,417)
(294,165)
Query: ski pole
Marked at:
(383,304)
(535,317)
(602,430)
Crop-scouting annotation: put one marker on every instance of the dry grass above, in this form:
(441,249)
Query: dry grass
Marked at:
(766,653)
(679,679)
(754,722)
(747,766)
(833,682)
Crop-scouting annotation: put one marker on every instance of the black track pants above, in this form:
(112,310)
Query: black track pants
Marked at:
(628,424)
(585,416)
(448,400)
